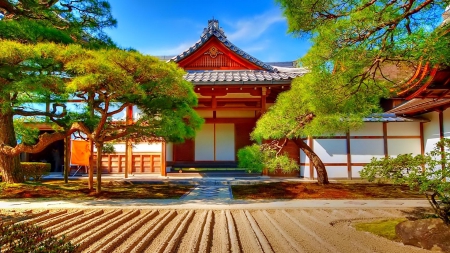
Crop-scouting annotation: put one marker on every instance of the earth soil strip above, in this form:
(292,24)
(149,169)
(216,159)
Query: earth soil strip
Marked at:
(259,234)
(205,243)
(311,233)
(125,234)
(87,227)
(110,226)
(66,225)
(232,233)
(145,241)
(198,232)
(288,238)
(59,219)
(44,217)
(175,238)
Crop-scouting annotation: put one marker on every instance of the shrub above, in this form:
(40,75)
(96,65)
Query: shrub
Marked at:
(428,173)
(257,157)
(251,158)
(35,170)
(26,237)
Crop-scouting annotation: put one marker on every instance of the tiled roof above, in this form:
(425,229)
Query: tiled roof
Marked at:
(240,76)
(391,117)
(214,30)
(419,105)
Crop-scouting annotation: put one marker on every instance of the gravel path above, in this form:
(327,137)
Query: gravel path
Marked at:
(229,230)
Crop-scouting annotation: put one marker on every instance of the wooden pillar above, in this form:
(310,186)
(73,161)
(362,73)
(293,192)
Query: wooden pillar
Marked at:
(349,157)
(128,145)
(128,157)
(422,143)
(163,159)
(311,166)
(66,159)
(385,140)
(263,99)
(441,136)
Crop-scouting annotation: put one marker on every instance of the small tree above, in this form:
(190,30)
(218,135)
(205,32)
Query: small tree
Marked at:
(428,173)
(108,81)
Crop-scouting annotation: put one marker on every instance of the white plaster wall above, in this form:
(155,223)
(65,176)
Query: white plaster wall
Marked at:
(169,151)
(403,146)
(335,172)
(331,151)
(303,157)
(235,114)
(431,131)
(362,150)
(147,147)
(356,170)
(139,147)
(204,143)
(369,129)
(403,129)
(304,171)
(225,142)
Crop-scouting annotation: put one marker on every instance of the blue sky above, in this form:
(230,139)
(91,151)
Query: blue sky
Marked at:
(168,27)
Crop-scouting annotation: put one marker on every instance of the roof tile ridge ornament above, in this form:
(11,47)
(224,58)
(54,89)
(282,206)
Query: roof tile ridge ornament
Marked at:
(214,29)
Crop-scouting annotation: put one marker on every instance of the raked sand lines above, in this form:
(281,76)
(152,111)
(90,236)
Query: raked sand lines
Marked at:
(159,230)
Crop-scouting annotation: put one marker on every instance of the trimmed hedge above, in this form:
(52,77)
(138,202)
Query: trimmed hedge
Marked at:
(35,170)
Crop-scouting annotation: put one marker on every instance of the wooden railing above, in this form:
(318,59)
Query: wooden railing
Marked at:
(141,163)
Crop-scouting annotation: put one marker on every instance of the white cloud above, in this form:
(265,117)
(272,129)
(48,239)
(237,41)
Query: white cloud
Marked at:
(252,28)
(169,51)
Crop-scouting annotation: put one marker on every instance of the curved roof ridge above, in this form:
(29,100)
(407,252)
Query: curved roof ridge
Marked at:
(213,29)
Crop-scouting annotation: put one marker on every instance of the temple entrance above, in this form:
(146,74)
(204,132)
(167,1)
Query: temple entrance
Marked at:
(53,154)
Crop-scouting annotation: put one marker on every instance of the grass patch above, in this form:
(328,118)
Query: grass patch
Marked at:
(383,228)
(295,190)
(58,190)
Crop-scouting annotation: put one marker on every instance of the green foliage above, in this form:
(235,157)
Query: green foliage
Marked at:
(257,157)
(24,237)
(61,21)
(25,131)
(35,170)
(429,174)
(108,148)
(361,51)
(251,158)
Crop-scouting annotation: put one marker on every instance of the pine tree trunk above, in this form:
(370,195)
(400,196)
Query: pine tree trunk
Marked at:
(91,166)
(322,176)
(9,165)
(99,146)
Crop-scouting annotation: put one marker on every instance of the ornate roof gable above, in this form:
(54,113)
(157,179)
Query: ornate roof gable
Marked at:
(215,52)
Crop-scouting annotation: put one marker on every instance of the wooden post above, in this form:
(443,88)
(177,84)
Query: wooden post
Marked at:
(441,136)
(385,140)
(128,157)
(128,143)
(311,166)
(66,159)
(163,159)
(349,157)
(422,144)
(263,99)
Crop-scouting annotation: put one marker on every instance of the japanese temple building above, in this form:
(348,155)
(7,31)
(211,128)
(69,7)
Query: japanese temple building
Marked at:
(234,89)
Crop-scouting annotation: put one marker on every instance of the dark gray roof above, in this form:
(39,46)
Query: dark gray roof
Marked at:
(420,105)
(240,76)
(391,117)
(214,30)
